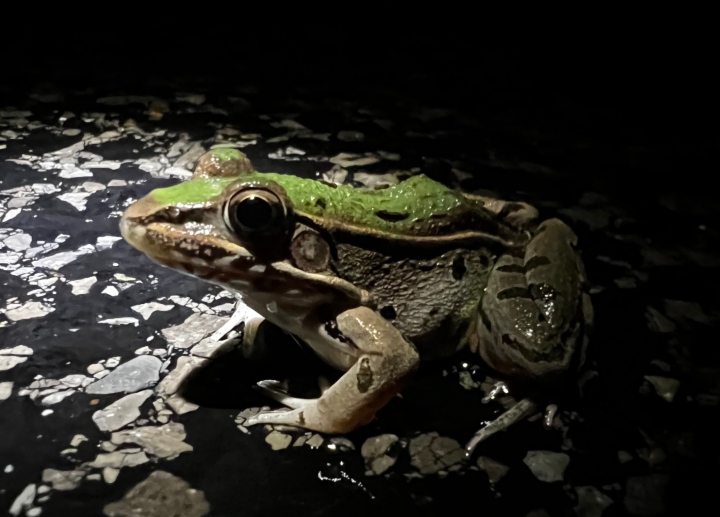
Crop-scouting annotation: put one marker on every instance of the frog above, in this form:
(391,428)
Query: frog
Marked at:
(375,280)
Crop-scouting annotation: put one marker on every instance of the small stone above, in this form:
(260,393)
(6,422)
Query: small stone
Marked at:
(118,460)
(108,446)
(83,285)
(466,380)
(161,494)
(77,440)
(315,441)
(63,479)
(24,500)
(350,136)
(54,398)
(547,466)
(112,362)
(656,456)
(110,474)
(278,440)
(147,309)
(376,180)
(375,452)
(339,443)
(494,469)
(164,442)
(180,406)
(34,512)
(431,453)
(75,380)
(18,350)
(301,440)
(95,368)
(354,160)
(136,374)
(645,495)
(665,387)
(5,390)
(194,329)
(10,361)
(121,412)
(680,310)
(624,457)
(591,502)
(657,322)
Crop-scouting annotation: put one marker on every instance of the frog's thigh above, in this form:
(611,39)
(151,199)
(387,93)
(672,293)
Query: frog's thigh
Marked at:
(531,305)
(385,360)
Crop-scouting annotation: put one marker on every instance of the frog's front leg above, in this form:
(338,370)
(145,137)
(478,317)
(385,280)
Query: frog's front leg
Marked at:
(534,312)
(242,315)
(385,359)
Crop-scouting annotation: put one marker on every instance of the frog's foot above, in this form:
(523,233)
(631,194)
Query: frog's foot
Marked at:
(519,411)
(385,359)
(274,390)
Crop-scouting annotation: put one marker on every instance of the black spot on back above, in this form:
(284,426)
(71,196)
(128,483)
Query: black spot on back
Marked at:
(514,292)
(392,217)
(458,268)
(320,202)
(512,268)
(536,261)
(388,312)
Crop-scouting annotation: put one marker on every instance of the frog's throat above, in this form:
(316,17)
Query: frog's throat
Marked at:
(233,267)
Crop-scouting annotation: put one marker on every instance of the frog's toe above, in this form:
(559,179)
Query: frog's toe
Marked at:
(273,389)
(519,411)
(293,417)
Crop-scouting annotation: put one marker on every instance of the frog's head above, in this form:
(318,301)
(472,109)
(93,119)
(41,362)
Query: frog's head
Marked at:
(238,229)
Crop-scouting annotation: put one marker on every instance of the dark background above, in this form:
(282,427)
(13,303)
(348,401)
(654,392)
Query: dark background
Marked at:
(631,113)
(648,86)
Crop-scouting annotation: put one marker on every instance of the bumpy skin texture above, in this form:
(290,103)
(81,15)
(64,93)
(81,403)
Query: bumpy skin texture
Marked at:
(433,300)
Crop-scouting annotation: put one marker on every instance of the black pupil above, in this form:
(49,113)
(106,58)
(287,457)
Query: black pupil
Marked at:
(253,213)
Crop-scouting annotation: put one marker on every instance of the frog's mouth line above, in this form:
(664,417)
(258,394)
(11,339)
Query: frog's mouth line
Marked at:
(230,265)
(162,240)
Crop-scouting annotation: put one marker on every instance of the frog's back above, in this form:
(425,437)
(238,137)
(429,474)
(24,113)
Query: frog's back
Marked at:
(416,207)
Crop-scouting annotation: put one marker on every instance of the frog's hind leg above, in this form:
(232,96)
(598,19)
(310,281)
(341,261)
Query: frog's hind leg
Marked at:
(534,316)
(385,360)
(533,312)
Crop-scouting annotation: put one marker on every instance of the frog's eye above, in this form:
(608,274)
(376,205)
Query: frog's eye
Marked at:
(254,211)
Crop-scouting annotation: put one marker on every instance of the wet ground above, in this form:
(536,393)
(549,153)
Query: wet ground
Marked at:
(95,338)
